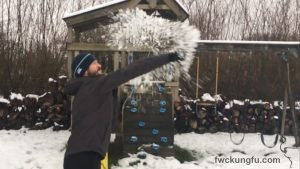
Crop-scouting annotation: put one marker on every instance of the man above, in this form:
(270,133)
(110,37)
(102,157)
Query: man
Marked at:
(92,110)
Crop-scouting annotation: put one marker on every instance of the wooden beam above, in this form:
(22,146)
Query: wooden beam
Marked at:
(172,84)
(160,7)
(181,14)
(245,46)
(98,47)
(152,3)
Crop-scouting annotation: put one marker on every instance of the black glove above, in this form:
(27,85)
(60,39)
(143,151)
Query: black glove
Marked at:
(175,57)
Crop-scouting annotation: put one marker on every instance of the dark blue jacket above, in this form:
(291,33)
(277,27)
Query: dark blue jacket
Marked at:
(92,109)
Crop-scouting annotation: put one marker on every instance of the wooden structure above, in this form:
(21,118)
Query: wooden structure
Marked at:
(101,15)
(148,121)
(93,17)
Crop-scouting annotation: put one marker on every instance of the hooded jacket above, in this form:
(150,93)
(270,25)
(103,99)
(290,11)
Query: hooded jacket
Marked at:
(92,109)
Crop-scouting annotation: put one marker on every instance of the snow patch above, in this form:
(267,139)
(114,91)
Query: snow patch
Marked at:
(5,101)
(63,77)
(207,97)
(33,96)
(32,149)
(238,102)
(51,80)
(17,96)
(218,98)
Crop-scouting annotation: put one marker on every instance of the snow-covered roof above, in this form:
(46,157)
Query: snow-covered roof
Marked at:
(92,17)
(107,4)
(93,8)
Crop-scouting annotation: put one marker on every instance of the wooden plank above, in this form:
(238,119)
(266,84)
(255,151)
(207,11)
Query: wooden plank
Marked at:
(147,7)
(135,119)
(150,102)
(148,140)
(172,84)
(147,133)
(148,109)
(135,125)
(149,117)
(145,137)
(153,116)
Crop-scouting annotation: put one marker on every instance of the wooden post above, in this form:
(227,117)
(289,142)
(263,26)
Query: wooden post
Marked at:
(123,59)
(292,106)
(197,85)
(70,54)
(72,36)
(116,60)
(284,113)
(217,75)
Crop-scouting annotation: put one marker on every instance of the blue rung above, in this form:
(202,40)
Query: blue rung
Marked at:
(161,88)
(133,109)
(162,110)
(155,146)
(133,139)
(141,123)
(164,139)
(162,103)
(133,102)
(155,131)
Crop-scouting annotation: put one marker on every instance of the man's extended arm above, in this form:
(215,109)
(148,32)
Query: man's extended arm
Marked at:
(135,69)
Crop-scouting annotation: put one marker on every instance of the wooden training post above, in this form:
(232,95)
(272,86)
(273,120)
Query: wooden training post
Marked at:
(197,85)
(289,98)
(284,114)
(217,75)
(292,105)
(148,120)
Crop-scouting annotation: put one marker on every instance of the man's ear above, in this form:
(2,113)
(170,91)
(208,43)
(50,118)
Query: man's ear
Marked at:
(86,73)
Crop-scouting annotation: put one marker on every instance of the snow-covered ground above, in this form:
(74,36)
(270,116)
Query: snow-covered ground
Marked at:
(44,149)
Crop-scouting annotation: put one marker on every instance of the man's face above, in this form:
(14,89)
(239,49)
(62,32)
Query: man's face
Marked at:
(94,69)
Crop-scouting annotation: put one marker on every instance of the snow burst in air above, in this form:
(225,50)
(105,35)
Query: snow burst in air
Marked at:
(135,29)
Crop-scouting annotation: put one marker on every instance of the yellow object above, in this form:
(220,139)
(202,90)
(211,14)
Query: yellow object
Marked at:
(104,162)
